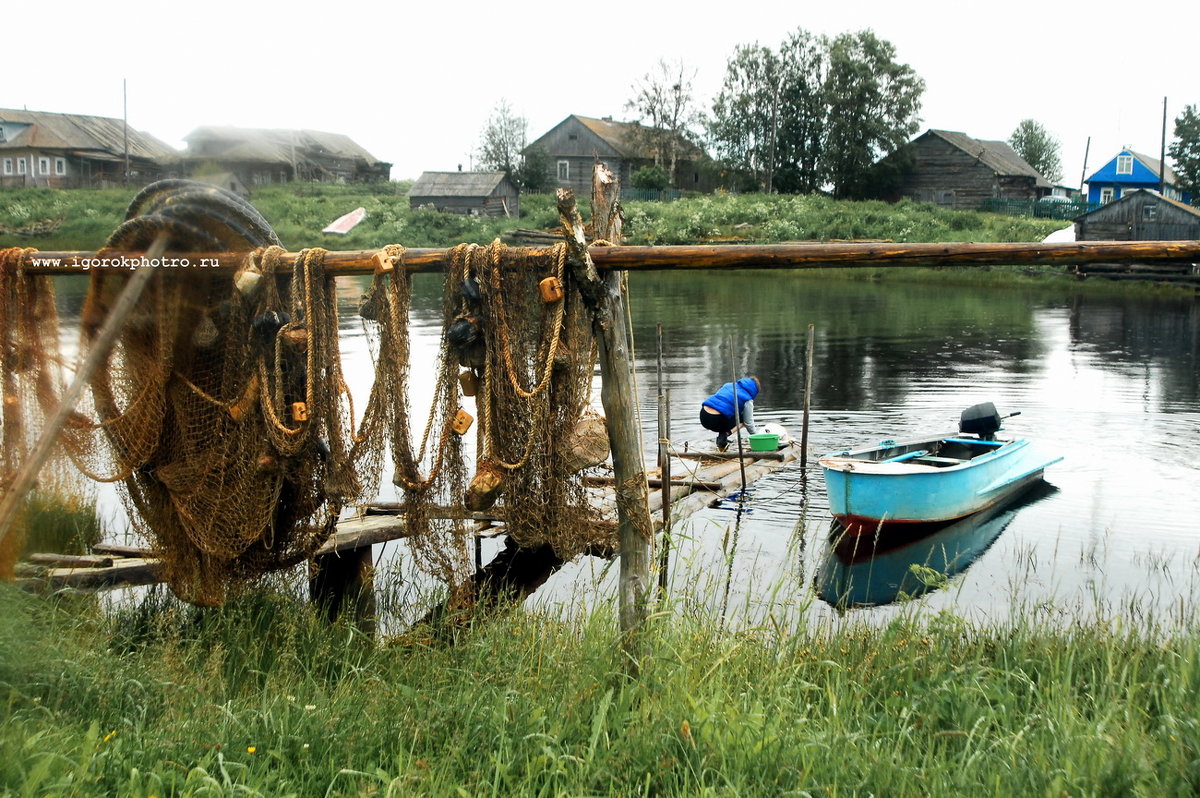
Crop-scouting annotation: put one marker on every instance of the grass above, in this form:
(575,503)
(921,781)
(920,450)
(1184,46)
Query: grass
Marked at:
(261,698)
(298,213)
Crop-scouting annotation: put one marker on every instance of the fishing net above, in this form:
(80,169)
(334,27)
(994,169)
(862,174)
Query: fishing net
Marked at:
(223,412)
(31,380)
(222,407)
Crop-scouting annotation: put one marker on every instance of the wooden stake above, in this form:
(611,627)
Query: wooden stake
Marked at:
(617,396)
(808,367)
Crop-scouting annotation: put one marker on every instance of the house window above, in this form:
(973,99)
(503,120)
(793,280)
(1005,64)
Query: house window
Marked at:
(1106,195)
(3,136)
(1124,164)
(60,166)
(43,166)
(21,166)
(946,199)
(564,170)
(8,166)
(1150,212)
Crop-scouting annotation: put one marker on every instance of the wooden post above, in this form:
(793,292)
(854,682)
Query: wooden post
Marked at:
(664,469)
(617,395)
(808,366)
(344,581)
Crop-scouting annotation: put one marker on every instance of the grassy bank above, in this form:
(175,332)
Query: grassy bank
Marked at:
(298,213)
(262,699)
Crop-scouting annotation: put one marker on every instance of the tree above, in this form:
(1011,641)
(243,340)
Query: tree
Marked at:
(1185,151)
(502,140)
(815,115)
(534,173)
(802,115)
(1039,149)
(743,125)
(872,104)
(502,149)
(665,106)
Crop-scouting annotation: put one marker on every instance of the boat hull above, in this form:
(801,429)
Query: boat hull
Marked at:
(869,490)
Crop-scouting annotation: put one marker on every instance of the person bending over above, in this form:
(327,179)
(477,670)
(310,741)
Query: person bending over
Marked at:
(717,412)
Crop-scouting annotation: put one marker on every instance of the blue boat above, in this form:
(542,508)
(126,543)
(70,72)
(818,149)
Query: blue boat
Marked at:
(869,570)
(932,479)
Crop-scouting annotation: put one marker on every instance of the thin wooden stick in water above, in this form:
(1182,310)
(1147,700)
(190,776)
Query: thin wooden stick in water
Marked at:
(808,367)
(95,358)
(737,423)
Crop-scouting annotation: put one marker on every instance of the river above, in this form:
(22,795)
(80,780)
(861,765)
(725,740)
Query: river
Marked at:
(1110,382)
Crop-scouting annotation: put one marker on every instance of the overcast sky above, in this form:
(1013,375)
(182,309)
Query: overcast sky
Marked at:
(415,87)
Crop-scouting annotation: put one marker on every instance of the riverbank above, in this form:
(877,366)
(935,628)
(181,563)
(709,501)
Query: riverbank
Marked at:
(261,698)
(82,219)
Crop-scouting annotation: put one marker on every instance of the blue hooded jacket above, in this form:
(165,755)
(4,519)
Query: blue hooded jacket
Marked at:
(722,400)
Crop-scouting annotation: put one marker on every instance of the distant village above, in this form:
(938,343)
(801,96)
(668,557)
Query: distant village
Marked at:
(946,168)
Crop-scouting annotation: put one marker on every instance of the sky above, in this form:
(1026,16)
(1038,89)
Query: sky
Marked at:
(415,83)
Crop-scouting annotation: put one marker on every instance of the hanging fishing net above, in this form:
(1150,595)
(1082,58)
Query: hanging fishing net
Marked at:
(223,412)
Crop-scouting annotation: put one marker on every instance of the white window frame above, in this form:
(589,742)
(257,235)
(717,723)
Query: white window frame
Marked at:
(22,167)
(8,166)
(60,166)
(1150,212)
(1106,195)
(43,165)
(1124,164)
(564,170)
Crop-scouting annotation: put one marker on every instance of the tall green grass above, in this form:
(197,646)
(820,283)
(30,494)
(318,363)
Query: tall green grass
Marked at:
(299,212)
(261,698)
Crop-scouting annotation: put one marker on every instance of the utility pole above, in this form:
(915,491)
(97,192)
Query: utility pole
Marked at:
(1162,154)
(125,127)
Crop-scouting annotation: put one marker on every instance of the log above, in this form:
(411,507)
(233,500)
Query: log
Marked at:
(70,560)
(746,455)
(814,255)
(656,482)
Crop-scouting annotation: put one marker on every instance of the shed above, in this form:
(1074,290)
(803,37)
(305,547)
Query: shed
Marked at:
(1140,215)
(952,169)
(470,193)
(226,180)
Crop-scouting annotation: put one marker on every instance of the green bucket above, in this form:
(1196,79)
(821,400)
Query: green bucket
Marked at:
(764,442)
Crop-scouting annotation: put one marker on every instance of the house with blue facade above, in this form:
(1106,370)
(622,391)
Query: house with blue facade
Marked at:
(1130,171)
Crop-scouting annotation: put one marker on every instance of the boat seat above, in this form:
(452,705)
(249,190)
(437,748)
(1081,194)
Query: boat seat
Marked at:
(900,458)
(930,459)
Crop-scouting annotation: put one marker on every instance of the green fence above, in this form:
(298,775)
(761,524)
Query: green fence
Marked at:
(1037,208)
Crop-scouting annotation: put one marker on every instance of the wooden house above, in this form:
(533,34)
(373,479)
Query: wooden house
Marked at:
(578,142)
(471,193)
(956,171)
(1140,215)
(1130,171)
(261,157)
(39,148)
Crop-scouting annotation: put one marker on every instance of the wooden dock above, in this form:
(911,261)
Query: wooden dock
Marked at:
(700,480)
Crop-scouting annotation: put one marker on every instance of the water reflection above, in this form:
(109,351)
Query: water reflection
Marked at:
(869,570)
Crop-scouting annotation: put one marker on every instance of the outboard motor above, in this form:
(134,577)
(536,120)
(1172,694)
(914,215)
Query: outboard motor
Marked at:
(981,419)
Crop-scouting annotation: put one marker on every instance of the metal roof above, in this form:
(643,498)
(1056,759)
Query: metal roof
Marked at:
(78,133)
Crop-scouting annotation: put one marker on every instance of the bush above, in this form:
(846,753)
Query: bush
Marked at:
(651,178)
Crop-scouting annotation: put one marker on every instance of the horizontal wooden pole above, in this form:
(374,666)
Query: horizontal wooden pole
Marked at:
(658,258)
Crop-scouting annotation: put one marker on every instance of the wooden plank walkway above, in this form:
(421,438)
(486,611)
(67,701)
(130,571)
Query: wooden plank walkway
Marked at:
(700,479)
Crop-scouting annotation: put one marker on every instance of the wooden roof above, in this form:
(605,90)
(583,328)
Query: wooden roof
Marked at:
(999,156)
(77,132)
(1141,193)
(456,184)
(623,137)
(273,145)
